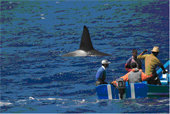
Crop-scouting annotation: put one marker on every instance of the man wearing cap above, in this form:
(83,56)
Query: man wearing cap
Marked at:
(151,62)
(101,73)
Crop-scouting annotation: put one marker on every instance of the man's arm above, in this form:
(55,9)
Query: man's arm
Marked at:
(164,70)
(144,52)
(127,65)
(145,77)
(98,75)
(161,65)
(125,78)
(141,56)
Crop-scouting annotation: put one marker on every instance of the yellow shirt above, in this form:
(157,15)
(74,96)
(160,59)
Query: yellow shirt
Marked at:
(151,62)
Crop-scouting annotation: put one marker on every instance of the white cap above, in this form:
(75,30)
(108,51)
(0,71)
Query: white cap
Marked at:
(105,62)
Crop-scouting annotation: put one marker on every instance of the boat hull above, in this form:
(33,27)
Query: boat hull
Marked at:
(137,90)
(134,90)
(158,91)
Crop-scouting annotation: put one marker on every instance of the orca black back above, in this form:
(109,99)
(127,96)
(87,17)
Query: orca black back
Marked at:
(86,43)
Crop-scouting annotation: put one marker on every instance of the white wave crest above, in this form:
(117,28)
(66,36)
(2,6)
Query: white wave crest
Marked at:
(52,99)
(31,98)
(5,103)
(164,100)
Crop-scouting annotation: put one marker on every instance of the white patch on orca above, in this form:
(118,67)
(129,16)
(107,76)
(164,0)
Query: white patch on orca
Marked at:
(80,53)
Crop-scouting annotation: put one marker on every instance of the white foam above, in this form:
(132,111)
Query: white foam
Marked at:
(83,101)
(139,104)
(42,14)
(164,100)
(21,100)
(59,99)
(5,103)
(51,99)
(31,98)
(80,101)
(42,17)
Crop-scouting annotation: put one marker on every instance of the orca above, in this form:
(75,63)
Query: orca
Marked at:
(86,48)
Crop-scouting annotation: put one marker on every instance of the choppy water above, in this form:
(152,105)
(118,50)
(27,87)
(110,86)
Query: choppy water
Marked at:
(34,35)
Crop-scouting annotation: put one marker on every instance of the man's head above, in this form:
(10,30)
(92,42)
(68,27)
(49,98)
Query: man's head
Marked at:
(155,50)
(134,53)
(133,65)
(105,63)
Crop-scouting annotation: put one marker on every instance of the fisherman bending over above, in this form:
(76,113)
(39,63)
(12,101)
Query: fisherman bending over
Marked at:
(133,59)
(151,62)
(134,76)
(101,73)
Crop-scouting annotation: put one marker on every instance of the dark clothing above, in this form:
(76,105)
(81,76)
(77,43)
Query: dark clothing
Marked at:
(100,82)
(154,80)
(130,61)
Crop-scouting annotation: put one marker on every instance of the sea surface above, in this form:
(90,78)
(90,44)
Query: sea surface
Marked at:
(35,78)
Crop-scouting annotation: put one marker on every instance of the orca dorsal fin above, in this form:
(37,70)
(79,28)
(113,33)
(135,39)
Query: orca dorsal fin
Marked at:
(86,43)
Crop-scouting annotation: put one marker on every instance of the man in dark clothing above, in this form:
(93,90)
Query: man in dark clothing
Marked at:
(133,59)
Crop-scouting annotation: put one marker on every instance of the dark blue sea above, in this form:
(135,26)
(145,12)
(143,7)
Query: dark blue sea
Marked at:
(35,78)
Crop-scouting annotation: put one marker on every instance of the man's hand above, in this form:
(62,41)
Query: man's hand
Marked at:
(145,51)
(165,71)
(114,83)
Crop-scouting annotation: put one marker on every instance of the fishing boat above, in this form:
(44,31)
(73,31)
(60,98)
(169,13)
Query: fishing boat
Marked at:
(136,90)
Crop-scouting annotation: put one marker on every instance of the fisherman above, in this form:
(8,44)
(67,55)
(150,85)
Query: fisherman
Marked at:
(134,76)
(151,62)
(101,73)
(133,59)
